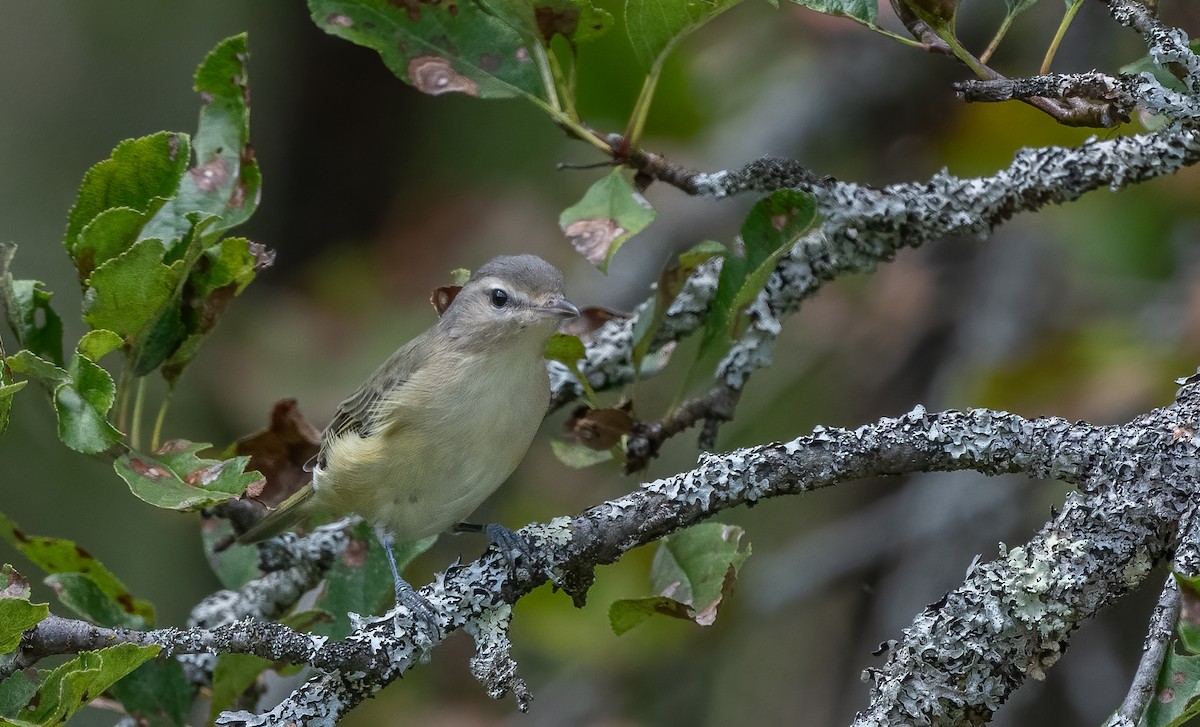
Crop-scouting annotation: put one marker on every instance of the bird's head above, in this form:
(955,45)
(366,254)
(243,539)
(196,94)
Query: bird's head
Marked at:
(515,296)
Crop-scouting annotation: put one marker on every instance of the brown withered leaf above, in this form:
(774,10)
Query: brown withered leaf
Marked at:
(599,428)
(13,584)
(442,297)
(589,320)
(281,451)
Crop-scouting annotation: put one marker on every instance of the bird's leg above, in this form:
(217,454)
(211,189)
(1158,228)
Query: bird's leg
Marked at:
(513,547)
(406,595)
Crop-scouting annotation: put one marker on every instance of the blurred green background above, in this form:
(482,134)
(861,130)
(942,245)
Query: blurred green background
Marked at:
(374,192)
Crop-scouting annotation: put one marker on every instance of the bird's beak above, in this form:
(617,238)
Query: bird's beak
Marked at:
(560,308)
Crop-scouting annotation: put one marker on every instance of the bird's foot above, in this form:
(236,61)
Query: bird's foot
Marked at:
(515,549)
(423,614)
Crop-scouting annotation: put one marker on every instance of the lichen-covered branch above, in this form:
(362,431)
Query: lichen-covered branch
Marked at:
(1011,618)
(1132,483)
(962,657)
(863,226)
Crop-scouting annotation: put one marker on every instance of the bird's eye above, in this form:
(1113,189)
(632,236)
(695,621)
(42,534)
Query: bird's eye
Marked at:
(499,298)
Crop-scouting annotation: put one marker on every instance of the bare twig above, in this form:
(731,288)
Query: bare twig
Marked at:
(1111,98)
(712,409)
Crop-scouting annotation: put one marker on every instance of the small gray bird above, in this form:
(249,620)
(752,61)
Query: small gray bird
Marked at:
(446,419)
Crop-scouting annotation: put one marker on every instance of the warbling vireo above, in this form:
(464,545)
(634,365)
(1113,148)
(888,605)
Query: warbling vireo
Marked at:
(446,419)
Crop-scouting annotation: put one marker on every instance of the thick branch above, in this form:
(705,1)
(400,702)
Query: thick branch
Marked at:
(568,549)
(1117,96)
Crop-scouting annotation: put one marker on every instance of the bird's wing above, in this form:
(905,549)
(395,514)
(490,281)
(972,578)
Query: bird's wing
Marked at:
(360,413)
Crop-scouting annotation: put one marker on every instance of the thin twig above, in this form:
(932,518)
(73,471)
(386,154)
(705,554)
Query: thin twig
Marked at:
(1158,639)
(712,409)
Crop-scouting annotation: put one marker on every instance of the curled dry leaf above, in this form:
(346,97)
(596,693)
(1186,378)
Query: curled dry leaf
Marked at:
(442,297)
(281,451)
(600,428)
(589,320)
(434,75)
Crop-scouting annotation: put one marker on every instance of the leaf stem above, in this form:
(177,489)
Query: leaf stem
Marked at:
(548,80)
(1058,35)
(156,436)
(641,109)
(123,402)
(962,53)
(566,90)
(889,34)
(986,55)
(135,430)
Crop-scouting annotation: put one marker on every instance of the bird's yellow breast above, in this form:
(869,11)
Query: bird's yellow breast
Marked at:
(447,438)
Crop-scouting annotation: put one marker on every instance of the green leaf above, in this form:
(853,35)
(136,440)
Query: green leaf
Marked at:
(1188,625)
(1177,694)
(863,11)
(80,594)
(109,234)
(30,364)
(1146,64)
(694,570)
(1016,7)
(129,293)
(569,351)
(15,693)
(7,389)
(149,219)
(79,681)
(627,613)
(176,478)
(139,175)
(27,307)
(234,674)
(81,426)
(579,456)
(361,581)
(454,46)
(156,692)
(17,615)
(772,227)
(55,555)
(82,394)
(460,276)
(538,21)
(222,272)
(610,213)
(701,560)
(655,26)
(97,344)
(224,180)
(670,283)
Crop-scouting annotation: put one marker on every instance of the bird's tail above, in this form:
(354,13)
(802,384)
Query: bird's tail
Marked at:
(290,512)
